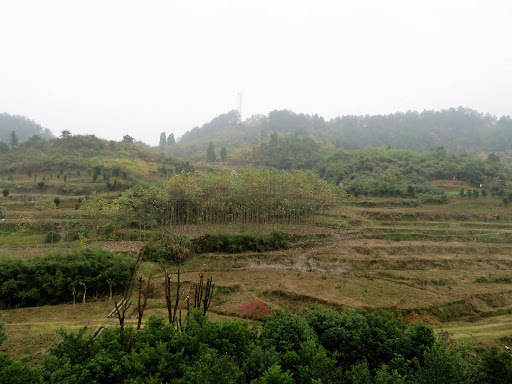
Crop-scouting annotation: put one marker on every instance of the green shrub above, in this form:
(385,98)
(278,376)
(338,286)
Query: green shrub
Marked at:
(50,280)
(52,237)
(316,347)
(242,242)
(174,248)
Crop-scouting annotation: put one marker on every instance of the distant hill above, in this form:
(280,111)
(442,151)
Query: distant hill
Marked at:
(458,130)
(86,153)
(23,126)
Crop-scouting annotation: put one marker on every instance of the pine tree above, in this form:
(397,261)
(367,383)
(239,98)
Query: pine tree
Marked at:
(170,139)
(210,153)
(273,139)
(223,154)
(163,141)
(14,139)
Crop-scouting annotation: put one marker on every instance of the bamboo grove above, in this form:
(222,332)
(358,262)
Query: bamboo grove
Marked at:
(248,196)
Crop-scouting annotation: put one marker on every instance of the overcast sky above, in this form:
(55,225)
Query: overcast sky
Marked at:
(142,67)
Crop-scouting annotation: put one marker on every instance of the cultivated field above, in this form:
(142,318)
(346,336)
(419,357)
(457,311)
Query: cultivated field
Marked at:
(447,265)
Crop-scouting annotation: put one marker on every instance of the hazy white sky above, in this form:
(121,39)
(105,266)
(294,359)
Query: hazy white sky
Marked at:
(142,67)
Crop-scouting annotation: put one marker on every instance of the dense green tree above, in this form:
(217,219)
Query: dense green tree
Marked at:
(441,367)
(496,367)
(171,140)
(3,147)
(223,154)
(273,139)
(286,332)
(14,140)
(65,134)
(5,192)
(275,375)
(210,153)
(493,158)
(128,139)
(163,140)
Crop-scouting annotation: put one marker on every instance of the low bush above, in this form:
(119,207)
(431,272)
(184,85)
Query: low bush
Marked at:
(174,248)
(256,310)
(52,237)
(243,242)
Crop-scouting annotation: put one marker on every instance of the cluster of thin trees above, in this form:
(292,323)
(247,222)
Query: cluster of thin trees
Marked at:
(249,196)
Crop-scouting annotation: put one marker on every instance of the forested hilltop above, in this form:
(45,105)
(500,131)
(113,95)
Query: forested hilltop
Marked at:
(458,130)
(23,127)
(87,154)
(378,171)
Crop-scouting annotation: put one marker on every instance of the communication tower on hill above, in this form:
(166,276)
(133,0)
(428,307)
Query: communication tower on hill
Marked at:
(239,97)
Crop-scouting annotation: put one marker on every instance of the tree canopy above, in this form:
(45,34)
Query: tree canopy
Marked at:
(317,347)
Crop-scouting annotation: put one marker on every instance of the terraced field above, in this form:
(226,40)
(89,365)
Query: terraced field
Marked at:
(448,265)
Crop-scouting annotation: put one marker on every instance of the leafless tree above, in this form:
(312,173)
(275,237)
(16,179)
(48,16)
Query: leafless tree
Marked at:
(73,292)
(172,310)
(121,308)
(110,282)
(203,293)
(141,306)
(85,291)
(97,297)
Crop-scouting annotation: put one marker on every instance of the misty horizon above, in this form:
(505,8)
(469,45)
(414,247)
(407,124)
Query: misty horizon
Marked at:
(117,68)
(154,142)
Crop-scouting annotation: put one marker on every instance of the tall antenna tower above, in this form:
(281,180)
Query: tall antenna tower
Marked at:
(239,97)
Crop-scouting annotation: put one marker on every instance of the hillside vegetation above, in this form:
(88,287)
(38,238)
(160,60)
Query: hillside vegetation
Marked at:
(89,154)
(315,261)
(460,130)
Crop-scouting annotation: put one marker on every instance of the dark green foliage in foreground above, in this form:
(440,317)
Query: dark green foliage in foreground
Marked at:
(50,280)
(318,347)
(233,243)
